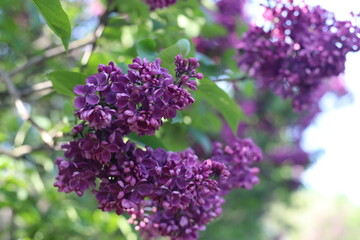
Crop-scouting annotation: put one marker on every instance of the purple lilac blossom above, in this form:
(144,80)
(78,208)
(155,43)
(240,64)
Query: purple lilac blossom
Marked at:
(183,224)
(239,157)
(292,155)
(165,193)
(229,13)
(154,4)
(182,192)
(139,99)
(302,48)
(129,174)
(215,47)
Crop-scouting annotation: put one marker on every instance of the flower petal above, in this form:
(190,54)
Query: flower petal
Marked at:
(80,90)
(92,99)
(79,102)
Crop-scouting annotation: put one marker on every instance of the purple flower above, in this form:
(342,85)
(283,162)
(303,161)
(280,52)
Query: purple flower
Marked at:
(239,157)
(159,3)
(87,95)
(300,50)
(230,12)
(98,116)
(293,155)
(75,176)
(98,80)
(182,224)
(165,193)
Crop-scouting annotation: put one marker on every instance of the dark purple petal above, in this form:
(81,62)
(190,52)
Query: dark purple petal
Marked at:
(92,99)
(80,102)
(80,90)
(145,189)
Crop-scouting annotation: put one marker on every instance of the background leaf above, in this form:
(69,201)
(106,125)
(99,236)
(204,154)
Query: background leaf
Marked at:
(56,18)
(146,48)
(64,81)
(151,141)
(222,102)
(168,54)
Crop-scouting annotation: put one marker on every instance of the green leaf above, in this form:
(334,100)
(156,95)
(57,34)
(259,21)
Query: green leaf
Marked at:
(177,119)
(174,136)
(222,102)
(213,30)
(64,81)
(167,56)
(56,18)
(146,48)
(151,141)
(202,139)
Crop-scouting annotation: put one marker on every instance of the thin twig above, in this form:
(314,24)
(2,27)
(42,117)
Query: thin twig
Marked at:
(43,87)
(20,151)
(231,79)
(12,224)
(39,87)
(58,50)
(52,52)
(20,106)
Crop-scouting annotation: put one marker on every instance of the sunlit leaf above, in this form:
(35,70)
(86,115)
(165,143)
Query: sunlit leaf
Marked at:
(167,56)
(56,18)
(64,81)
(151,141)
(146,48)
(222,102)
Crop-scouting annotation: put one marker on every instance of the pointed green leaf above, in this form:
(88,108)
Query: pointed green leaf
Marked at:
(151,141)
(146,48)
(64,81)
(222,102)
(56,18)
(167,56)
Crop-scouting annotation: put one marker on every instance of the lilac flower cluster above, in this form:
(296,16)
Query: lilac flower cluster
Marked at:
(230,12)
(154,4)
(300,47)
(165,193)
(185,224)
(292,155)
(128,174)
(239,157)
(138,100)
(215,47)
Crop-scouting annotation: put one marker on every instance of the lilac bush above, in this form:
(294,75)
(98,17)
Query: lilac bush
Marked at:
(165,193)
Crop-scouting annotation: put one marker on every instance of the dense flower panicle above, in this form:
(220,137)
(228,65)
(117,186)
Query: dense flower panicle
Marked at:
(239,157)
(174,183)
(171,194)
(76,176)
(154,4)
(230,12)
(292,155)
(165,193)
(302,47)
(138,100)
(215,47)
(186,69)
(183,224)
